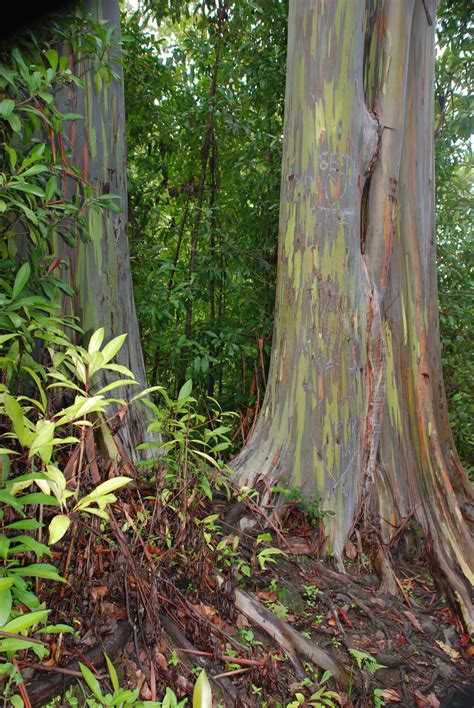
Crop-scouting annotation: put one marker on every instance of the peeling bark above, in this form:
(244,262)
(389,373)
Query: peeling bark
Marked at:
(99,271)
(355,411)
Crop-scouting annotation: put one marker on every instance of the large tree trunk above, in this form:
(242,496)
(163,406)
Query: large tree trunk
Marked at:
(355,411)
(99,271)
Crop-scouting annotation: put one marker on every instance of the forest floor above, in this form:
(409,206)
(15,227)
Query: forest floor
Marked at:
(162,611)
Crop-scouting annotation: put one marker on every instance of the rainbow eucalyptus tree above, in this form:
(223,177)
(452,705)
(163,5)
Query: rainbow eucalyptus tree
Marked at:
(99,270)
(355,411)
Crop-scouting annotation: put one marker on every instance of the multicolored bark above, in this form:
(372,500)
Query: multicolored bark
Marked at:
(100,270)
(355,410)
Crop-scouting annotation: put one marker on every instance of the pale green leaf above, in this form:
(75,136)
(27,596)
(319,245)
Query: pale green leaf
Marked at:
(111,349)
(202,694)
(185,390)
(96,340)
(25,621)
(21,279)
(58,527)
(117,384)
(5,603)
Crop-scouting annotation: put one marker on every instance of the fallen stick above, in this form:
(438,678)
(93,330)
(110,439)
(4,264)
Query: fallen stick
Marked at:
(289,639)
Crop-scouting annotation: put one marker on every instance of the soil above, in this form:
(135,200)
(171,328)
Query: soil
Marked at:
(161,610)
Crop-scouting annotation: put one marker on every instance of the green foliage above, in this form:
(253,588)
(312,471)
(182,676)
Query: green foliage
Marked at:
(323,696)
(311,507)
(366,661)
(453,103)
(126,698)
(50,394)
(233,220)
(37,435)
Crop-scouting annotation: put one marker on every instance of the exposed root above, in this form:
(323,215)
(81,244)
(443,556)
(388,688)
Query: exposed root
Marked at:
(41,690)
(289,639)
(388,581)
(223,687)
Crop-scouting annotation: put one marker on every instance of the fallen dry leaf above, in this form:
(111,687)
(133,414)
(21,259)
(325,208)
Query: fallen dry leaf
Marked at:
(268,596)
(161,660)
(400,639)
(452,653)
(388,694)
(241,622)
(99,591)
(429,701)
(113,611)
(350,550)
(470,652)
(413,620)
(145,692)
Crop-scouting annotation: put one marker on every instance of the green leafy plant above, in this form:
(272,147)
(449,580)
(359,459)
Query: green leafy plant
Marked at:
(266,555)
(128,698)
(323,696)
(311,594)
(366,661)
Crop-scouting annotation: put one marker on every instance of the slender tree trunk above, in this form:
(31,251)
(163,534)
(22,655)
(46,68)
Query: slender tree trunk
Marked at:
(355,411)
(100,270)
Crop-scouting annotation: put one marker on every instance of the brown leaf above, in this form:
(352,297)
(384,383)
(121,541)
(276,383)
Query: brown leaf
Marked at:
(241,622)
(400,639)
(99,591)
(268,596)
(429,701)
(388,694)
(350,550)
(448,649)
(470,652)
(161,661)
(145,692)
(117,612)
(414,621)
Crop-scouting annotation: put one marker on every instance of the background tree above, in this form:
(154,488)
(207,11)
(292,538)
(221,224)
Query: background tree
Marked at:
(94,147)
(355,409)
(168,69)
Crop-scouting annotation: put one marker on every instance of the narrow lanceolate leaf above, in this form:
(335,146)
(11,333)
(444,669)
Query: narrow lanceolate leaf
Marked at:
(39,570)
(28,188)
(21,279)
(96,341)
(113,674)
(56,629)
(146,392)
(26,543)
(185,391)
(25,621)
(116,384)
(5,604)
(91,681)
(113,347)
(109,486)
(58,527)
(202,694)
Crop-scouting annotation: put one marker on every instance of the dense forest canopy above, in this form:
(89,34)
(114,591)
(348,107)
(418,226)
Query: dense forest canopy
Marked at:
(212,480)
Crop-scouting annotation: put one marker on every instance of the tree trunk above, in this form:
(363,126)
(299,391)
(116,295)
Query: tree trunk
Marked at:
(99,271)
(355,411)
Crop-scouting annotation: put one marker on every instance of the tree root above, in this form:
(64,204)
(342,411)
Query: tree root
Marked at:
(224,688)
(42,690)
(289,639)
